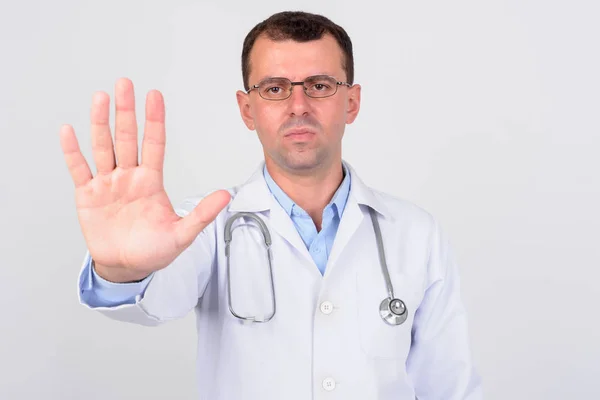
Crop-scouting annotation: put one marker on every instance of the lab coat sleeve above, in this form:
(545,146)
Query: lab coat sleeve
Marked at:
(440,362)
(167,294)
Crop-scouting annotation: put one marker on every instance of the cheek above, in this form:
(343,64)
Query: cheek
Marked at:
(265,115)
(267,121)
(333,118)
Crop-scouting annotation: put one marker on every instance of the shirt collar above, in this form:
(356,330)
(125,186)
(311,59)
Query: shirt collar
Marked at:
(338,200)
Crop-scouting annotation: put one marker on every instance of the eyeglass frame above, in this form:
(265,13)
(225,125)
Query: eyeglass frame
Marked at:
(337,84)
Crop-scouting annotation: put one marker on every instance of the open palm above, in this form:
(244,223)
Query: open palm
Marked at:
(127,219)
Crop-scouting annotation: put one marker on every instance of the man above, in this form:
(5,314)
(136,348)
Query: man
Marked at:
(319,328)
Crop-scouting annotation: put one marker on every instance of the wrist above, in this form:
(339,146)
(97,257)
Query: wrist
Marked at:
(118,274)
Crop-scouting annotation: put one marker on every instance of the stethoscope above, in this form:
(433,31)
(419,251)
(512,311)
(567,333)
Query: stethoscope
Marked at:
(392,310)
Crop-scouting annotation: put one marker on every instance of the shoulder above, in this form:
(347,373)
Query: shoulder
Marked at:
(404,211)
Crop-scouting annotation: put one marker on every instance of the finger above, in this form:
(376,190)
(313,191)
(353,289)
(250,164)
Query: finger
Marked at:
(78,167)
(153,144)
(203,214)
(125,124)
(102,144)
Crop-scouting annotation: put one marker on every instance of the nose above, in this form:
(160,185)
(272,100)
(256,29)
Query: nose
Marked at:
(299,102)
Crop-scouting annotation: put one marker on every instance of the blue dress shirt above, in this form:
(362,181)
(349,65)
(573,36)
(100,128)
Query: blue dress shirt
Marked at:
(98,292)
(318,243)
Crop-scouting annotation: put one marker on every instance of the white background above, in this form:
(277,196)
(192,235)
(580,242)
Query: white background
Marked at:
(485,113)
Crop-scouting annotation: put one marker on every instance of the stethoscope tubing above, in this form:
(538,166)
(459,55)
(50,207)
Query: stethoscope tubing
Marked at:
(392,310)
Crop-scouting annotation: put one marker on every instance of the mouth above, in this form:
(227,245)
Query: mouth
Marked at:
(299,134)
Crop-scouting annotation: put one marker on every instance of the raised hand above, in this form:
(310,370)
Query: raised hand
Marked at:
(127,220)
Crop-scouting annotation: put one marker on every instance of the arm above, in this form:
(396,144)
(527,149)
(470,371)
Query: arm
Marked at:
(166,294)
(95,291)
(129,224)
(439,361)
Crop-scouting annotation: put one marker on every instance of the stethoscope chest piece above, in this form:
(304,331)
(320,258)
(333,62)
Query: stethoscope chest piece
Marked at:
(393,311)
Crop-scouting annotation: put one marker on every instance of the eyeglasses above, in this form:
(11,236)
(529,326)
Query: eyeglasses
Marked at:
(317,86)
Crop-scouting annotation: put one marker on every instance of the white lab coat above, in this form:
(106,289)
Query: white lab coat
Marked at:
(327,339)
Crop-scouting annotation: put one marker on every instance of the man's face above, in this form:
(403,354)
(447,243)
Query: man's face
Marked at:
(300,134)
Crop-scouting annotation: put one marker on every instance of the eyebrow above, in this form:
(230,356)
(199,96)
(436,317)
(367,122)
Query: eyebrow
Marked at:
(283,77)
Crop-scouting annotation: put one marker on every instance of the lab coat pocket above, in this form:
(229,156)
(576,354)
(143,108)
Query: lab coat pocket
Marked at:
(378,339)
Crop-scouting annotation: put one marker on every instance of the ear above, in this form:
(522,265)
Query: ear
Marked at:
(353,105)
(243,101)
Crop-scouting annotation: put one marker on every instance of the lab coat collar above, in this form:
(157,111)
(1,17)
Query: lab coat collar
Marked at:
(254,195)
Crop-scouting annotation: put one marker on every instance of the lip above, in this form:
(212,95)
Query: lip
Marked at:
(299,133)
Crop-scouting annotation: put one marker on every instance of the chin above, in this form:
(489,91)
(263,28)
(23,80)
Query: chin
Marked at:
(302,161)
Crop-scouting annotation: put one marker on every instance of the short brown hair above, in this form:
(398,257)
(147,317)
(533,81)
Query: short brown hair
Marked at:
(300,27)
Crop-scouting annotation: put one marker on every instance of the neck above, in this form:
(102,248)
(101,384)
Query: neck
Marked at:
(311,190)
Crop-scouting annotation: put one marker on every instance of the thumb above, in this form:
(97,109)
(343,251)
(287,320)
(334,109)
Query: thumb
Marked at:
(203,214)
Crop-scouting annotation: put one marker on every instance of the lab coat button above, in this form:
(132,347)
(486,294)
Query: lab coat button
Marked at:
(326,307)
(328,384)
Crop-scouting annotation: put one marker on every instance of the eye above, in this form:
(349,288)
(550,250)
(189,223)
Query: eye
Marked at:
(273,89)
(319,87)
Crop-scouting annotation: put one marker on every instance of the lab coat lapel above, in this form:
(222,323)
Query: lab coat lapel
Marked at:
(354,214)
(283,224)
(255,196)
(351,220)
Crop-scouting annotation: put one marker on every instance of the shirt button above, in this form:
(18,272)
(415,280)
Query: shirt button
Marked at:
(326,307)
(328,384)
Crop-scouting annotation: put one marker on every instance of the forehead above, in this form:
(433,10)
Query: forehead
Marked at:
(295,60)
